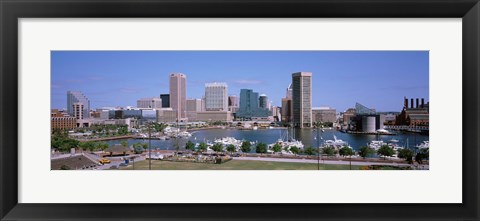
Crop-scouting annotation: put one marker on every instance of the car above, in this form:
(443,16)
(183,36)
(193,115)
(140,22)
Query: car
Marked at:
(123,164)
(114,167)
(104,161)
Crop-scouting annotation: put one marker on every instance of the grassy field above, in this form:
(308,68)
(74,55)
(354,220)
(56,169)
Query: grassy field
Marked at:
(235,165)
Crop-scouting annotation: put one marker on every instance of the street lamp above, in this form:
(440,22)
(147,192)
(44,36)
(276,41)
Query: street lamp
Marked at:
(319,128)
(133,162)
(149,146)
(351,160)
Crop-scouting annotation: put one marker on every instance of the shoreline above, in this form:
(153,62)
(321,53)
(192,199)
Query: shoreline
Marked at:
(107,138)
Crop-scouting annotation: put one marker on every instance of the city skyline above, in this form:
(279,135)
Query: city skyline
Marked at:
(378,79)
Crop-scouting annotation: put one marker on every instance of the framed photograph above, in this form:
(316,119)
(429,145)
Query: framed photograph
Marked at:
(287,110)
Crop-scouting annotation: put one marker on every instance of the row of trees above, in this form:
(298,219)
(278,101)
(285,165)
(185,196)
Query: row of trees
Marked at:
(246,147)
(364,152)
(106,130)
(404,153)
(63,143)
(218,147)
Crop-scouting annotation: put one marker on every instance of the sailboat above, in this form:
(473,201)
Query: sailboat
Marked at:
(288,141)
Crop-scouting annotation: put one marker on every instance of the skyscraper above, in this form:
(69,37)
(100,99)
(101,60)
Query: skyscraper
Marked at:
(78,97)
(289,91)
(302,99)
(178,94)
(287,105)
(263,101)
(286,110)
(249,107)
(233,103)
(165,100)
(216,96)
(78,110)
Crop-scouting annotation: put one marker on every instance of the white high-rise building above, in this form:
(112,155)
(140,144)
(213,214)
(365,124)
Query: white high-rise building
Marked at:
(78,97)
(154,103)
(302,99)
(216,96)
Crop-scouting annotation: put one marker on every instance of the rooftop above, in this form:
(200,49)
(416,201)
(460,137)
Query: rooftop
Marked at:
(302,74)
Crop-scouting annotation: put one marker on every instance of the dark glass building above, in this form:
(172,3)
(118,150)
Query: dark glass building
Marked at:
(165,100)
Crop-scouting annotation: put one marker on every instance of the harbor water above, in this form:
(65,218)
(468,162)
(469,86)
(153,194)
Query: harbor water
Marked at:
(268,136)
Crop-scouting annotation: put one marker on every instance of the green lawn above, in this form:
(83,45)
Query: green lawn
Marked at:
(235,165)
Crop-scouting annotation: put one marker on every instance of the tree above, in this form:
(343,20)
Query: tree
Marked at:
(124,143)
(145,146)
(202,147)
(261,148)
(329,151)
(277,148)
(385,151)
(138,150)
(365,151)
(88,145)
(406,154)
(190,146)
(294,150)
(159,126)
(62,142)
(101,145)
(422,155)
(123,130)
(345,151)
(231,148)
(65,147)
(217,147)
(309,151)
(246,146)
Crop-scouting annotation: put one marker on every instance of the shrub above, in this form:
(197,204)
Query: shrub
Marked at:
(261,148)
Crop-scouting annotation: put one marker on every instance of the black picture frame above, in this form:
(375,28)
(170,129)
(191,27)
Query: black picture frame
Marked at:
(12,10)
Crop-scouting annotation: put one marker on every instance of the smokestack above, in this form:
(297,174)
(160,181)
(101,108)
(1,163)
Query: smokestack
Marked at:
(416,103)
(423,103)
(411,103)
(405,102)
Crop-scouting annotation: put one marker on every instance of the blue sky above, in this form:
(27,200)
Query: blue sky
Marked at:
(377,79)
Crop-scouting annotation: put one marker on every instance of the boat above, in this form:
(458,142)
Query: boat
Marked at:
(383,131)
(285,141)
(376,144)
(336,143)
(424,145)
(229,141)
(184,134)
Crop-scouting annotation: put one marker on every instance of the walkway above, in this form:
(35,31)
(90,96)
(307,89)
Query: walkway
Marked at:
(335,162)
